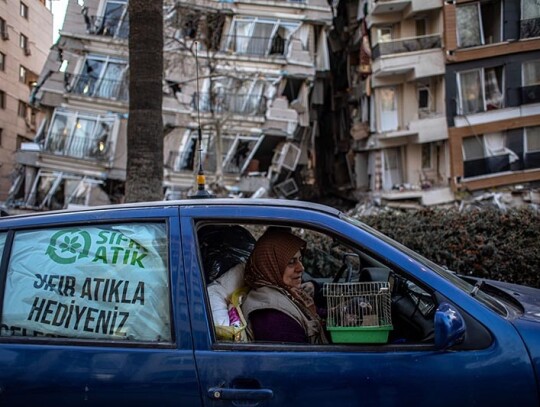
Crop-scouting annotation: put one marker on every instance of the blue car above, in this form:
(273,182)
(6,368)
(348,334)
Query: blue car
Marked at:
(124,305)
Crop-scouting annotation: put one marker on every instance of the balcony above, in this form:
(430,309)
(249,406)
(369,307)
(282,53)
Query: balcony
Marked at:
(416,57)
(256,46)
(530,94)
(530,28)
(407,45)
(405,8)
(236,103)
(78,147)
(108,26)
(86,85)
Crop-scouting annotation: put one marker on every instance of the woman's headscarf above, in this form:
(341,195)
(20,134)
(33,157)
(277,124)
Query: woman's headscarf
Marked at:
(267,263)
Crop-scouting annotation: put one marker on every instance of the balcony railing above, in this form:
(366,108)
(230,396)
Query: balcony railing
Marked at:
(236,103)
(407,45)
(78,147)
(530,94)
(255,46)
(86,85)
(501,163)
(530,28)
(108,26)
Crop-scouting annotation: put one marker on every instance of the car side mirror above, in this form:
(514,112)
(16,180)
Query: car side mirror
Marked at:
(449,326)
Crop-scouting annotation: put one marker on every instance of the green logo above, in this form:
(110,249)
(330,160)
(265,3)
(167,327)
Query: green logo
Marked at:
(68,246)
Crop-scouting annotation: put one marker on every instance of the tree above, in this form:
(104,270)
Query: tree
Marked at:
(144,178)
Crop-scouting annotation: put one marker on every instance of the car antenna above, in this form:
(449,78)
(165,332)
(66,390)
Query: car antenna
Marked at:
(201,192)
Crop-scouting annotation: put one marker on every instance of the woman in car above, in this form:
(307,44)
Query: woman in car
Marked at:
(277,307)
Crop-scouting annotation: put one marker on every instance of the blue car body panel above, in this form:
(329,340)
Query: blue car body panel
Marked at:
(196,370)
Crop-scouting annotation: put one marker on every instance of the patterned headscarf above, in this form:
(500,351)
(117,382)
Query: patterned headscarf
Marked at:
(267,263)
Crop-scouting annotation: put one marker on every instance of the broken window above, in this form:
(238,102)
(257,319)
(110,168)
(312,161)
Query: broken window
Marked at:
(80,135)
(487,154)
(103,77)
(479,23)
(237,152)
(388,109)
(115,22)
(260,36)
(480,90)
(424,98)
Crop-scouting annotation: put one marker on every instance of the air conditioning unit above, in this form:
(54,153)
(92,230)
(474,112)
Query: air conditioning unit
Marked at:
(5,35)
(27,51)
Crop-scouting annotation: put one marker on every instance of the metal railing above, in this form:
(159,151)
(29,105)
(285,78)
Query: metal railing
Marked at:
(407,45)
(108,26)
(238,103)
(529,28)
(78,147)
(255,46)
(86,85)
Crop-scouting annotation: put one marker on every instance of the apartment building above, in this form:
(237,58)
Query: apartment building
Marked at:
(242,71)
(25,39)
(493,93)
(395,70)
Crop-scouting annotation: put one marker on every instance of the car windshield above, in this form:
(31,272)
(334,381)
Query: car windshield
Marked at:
(481,296)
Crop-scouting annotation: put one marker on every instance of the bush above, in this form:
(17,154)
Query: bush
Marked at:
(484,243)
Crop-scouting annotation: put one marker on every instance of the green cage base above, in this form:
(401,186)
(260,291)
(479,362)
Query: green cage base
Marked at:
(360,334)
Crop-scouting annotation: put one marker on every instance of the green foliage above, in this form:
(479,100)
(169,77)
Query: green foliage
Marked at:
(484,243)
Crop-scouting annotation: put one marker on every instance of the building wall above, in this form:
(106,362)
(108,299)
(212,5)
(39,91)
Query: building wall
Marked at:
(38,28)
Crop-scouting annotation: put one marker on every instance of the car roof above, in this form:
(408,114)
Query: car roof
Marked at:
(191,203)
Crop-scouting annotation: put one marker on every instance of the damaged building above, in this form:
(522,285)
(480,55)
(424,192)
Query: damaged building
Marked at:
(409,102)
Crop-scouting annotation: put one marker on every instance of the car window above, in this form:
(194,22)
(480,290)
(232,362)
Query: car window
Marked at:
(90,282)
(350,289)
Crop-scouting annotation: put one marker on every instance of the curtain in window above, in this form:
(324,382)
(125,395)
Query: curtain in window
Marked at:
(82,138)
(110,83)
(468,25)
(531,73)
(259,43)
(533,139)
(392,168)
(471,95)
(494,96)
(389,113)
(242,31)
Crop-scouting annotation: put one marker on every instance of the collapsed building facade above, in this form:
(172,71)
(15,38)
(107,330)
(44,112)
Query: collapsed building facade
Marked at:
(407,101)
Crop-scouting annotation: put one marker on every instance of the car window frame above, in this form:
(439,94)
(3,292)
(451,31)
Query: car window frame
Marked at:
(80,220)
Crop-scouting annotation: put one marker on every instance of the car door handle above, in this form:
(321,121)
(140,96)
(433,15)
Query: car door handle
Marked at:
(220,393)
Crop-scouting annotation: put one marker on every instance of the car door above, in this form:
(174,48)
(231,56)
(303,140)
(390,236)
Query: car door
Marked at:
(496,374)
(87,310)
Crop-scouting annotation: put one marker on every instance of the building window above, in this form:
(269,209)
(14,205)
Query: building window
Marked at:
(102,78)
(480,90)
(115,22)
(388,109)
(530,19)
(479,23)
(3,29)
(80,135)
(424,99)
(530,92)
(21,111)
(427,163)
(487,154)
(2,61)
(1,141)
(262,36)
(532,139)
(2,99)
(23,74)
(24,10)
(24,44)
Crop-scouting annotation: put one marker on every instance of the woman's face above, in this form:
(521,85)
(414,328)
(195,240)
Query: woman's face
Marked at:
(292,276)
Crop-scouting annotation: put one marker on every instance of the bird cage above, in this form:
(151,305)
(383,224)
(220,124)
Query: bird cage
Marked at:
(358,312)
